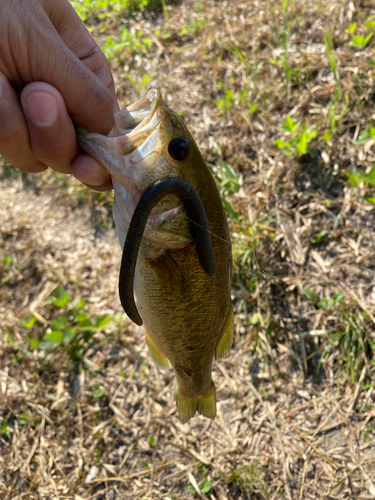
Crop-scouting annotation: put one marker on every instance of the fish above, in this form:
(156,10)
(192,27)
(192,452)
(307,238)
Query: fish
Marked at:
(176,268)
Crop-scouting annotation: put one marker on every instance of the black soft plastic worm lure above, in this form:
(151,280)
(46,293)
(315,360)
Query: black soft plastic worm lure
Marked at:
(200,229)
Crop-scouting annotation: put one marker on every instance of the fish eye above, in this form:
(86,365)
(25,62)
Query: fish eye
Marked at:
(178,148)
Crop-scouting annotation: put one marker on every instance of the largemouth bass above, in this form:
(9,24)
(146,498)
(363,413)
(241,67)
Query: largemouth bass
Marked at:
(182,281)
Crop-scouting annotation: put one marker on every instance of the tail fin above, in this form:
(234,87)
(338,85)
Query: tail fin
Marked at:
(205,405)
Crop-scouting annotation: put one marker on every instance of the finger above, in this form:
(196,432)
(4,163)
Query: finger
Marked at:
(91,173)
(14,135)
(52,135)
(79,40)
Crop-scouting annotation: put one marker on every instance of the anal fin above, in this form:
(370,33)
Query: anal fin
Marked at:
(161,361)
(226,336)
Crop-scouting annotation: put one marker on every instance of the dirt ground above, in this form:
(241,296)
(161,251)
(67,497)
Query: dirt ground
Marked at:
(296,412)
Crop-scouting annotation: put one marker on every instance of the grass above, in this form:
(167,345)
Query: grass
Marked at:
(113,48)
(104,9)
(71,330)
(286,124)
(298,137)
(350,342)
(249,479)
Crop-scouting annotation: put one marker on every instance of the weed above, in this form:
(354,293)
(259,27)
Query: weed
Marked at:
(368,432)
(23,418)
(71,330)
(353,342)
(103,9)
(298,137)
(8,267)
(204,487)
(351,28)
(253,107)
(334,116)
(141,80)
(357,176)
(229,183)
(232,98)
(165,12)
(366,135)
(320,235)
(7,171)
(192,27)
(226,101)
(349,341)
(98,391)
(5,428)
(359,42)
(370,23)
(249,479)
(323,303)
(245,234)
(126,42)
(244,57)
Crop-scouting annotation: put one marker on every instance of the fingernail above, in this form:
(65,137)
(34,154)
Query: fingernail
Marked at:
(42,108)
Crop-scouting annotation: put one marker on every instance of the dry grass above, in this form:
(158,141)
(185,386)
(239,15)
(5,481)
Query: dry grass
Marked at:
(296,413)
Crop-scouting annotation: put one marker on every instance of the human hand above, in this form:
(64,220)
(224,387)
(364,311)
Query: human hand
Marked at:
(52,74)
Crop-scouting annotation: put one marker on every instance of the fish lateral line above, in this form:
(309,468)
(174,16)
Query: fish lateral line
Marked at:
(149,199)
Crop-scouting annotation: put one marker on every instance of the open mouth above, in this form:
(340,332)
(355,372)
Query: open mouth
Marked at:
(136,122)
(138,114)
(133,125)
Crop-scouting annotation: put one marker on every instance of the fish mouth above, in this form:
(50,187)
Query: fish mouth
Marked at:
(136,122)
(133,125)
(138,114)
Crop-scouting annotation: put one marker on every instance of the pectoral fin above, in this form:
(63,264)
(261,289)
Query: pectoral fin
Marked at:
(226,337)
(161,361)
